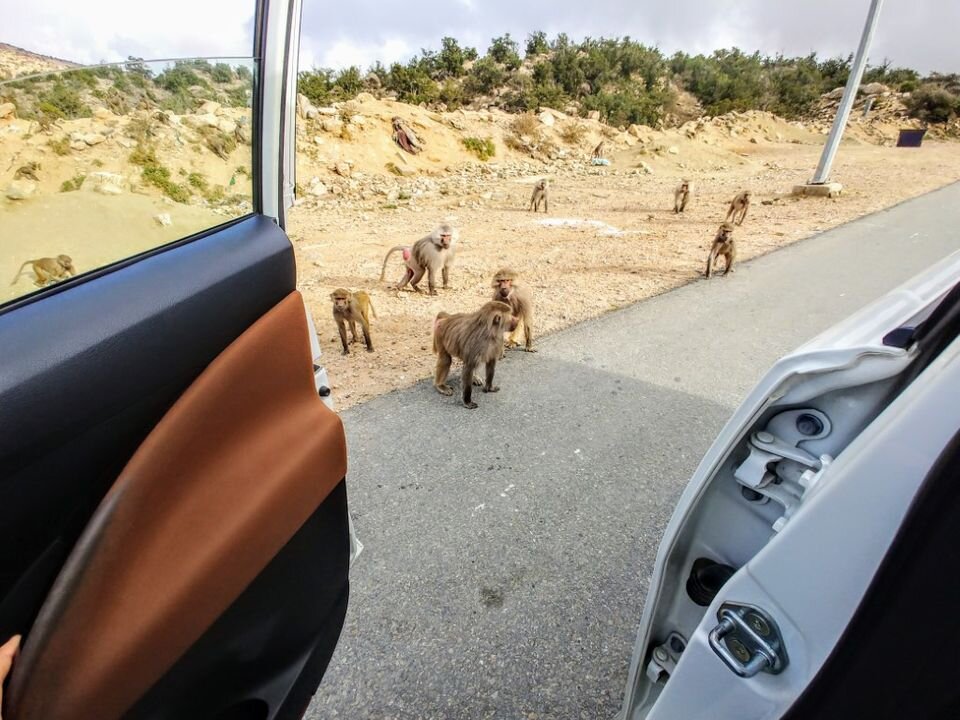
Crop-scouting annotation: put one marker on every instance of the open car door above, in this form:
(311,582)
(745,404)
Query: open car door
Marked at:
(809,570)
(173,517)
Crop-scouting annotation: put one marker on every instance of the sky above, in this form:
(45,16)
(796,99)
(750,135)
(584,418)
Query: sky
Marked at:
(915,33)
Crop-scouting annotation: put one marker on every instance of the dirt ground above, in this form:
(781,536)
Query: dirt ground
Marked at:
(609,240)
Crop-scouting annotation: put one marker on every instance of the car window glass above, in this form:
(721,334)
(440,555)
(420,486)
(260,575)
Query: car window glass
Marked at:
(98,164)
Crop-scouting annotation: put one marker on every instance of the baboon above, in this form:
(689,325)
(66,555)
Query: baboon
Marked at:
(477,339)
(48,270)
(723,244)
(598,151)
(739,205)
(434,252)
(520,300)
(352,307)
(540,195)
(681,196)
(28,171)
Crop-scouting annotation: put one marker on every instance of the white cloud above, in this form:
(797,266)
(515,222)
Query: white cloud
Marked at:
(345,52)
(90,31)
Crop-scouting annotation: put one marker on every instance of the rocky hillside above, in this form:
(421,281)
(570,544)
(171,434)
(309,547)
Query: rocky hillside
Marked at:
(15,62)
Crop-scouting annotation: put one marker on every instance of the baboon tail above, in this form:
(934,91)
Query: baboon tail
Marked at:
(383,272)
(19,272)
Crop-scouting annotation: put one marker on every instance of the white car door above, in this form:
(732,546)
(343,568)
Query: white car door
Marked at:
(782,528)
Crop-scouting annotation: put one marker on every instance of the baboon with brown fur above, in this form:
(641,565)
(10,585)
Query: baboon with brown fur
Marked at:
(681,196)
(352,307)
(540,195)
(520,299)
(723,246)
(598,151)
(429,254)
(48,270)
(738,207)
(477,339)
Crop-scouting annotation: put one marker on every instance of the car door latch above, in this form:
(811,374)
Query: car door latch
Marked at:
(748,640)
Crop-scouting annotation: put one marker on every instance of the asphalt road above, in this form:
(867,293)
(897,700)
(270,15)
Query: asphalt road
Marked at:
(508,549)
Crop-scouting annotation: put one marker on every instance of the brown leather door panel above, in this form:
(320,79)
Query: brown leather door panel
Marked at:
(223,481)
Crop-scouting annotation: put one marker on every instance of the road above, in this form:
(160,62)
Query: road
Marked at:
(508,549)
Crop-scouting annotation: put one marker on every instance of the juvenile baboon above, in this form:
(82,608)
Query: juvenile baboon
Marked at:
(48,270)
(429,254)
(519,298)
(723,245)
(681,196)
(540,195)
(739,206)
(28,171)
(352,307)
(598,151)
(477,339)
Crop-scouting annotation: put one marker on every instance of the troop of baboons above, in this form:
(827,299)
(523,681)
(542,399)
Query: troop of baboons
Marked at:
(479,339)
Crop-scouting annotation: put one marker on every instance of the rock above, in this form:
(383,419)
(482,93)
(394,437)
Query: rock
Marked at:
(78,145)
(754,140)
(318,190)
(102,113)
(208,120)
(163,219)
(7,110)
(228,126)
(874,88)
(328,111)
(673,150)
(209,107)
(342,169)
(93,139)
(304,106)
(645,168)
(364,96)
(835,94)
(331,125)
(20,189)
(358,120)
(593,115)
(105,183)
(546,118)
(318,140)
(635,130)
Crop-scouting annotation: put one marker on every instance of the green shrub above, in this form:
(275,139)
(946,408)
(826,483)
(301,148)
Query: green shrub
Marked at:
(537,44)
(504,51)
(221,73)
(219,143)
(156,174)
(74,183)
(484,77)
(317,85)
(932,103)
(60,146)
(63,101)
(483,148)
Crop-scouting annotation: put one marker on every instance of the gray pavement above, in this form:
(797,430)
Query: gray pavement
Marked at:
(508,548)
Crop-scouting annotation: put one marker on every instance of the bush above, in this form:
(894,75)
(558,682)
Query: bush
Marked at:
(178,78)
(932,103)
(221,73)
(525,124)
(60,146)
(219,143)
(483,148)
(503,50)
(62,101)
(348,83)
(452,57)
(74,183)
(485,76)
(573,133)
(537,44)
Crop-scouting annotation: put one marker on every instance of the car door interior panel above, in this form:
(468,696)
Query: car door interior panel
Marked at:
(171,489)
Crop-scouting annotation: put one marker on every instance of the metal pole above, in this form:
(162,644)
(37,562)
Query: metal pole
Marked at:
(849,95)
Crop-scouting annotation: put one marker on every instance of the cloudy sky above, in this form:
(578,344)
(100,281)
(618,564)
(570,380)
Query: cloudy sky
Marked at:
(916,33)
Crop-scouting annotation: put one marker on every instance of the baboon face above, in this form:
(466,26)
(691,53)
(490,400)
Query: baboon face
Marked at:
(504,287)
(685,186)
(340,301)
(66,262)
(443,236)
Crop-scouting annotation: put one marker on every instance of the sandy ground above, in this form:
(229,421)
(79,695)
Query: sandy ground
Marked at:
(609,240)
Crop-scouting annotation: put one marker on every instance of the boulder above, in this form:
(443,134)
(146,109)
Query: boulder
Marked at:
(93,138)
(673,150)
(364,97)
(546,118)
(8,110)
(209,107)
(105,183)
(874,88)
(227,125)
(331,125)
(342,169)
(20,189)
(593,115)
(163,219)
